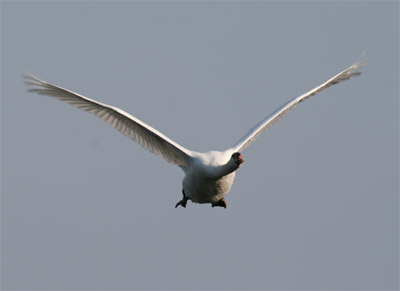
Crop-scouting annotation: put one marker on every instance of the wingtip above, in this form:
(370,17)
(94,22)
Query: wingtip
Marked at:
(361,61)
(31,77)
(28,74)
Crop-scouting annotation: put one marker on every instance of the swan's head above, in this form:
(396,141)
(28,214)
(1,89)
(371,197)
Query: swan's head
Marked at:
(237,158)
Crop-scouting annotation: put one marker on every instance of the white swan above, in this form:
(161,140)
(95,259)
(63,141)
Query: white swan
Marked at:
(208,176)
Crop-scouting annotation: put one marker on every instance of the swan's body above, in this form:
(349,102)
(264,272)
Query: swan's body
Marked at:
(208,176)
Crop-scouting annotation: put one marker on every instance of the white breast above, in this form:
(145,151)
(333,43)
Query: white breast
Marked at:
(202,189)
(200,183)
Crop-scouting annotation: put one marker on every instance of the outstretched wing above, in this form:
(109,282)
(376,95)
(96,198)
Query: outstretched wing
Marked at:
(264,124)
(146,136)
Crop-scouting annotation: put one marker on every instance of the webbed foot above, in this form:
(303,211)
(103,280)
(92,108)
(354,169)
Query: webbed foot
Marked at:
(220,203)
(183,201)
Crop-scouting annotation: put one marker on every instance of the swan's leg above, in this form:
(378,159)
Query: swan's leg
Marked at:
(220,203)
(183,201)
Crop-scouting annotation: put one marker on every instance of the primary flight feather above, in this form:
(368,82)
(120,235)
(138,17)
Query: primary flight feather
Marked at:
(208,176)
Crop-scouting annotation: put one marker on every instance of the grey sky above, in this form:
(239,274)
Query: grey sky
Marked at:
(315,206)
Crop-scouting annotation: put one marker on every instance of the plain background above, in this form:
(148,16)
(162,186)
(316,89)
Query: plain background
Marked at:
(315,206)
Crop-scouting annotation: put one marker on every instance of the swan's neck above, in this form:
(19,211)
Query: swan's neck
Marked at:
(223,170)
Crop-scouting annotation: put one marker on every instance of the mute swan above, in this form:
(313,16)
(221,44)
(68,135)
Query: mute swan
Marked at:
(208,176)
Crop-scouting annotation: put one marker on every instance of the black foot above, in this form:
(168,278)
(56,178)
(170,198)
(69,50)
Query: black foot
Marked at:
(220,203)
(183,201)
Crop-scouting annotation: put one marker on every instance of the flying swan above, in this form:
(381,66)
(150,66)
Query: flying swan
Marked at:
(208,176)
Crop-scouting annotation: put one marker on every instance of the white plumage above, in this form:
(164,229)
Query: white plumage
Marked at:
(208,176)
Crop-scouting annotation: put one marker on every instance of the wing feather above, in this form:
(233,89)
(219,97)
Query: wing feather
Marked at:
(146,136)
(266,123)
